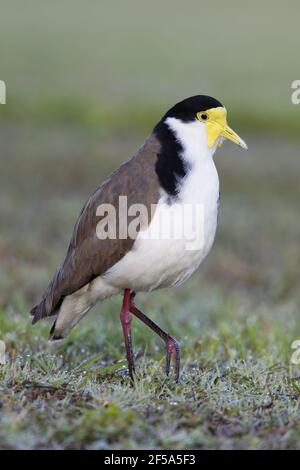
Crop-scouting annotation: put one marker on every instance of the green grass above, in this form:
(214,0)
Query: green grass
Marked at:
(237,389)
(236,318)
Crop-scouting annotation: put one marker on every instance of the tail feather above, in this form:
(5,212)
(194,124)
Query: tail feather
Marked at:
(50,301)
(73,308)
(69,308)
(42,310)
(37,312)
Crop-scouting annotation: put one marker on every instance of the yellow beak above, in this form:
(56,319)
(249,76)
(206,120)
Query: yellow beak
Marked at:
(216,126)
(229,134)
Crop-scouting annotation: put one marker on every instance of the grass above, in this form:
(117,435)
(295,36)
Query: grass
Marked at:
(237,389)
(236,318)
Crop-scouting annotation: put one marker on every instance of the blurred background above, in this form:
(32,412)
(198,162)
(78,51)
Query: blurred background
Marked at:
(86,82)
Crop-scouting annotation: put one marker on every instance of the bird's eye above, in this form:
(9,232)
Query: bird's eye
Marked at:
(204,116)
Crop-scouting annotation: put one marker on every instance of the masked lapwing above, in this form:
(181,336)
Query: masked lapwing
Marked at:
(148,226)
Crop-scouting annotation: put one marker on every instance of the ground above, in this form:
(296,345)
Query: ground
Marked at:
(235,319)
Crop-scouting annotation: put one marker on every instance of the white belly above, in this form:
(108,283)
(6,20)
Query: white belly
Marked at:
(165,255)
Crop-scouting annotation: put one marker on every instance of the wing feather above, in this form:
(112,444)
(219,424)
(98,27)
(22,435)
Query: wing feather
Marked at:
(88,256)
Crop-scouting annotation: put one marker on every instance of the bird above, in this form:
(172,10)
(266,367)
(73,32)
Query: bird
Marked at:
(160,188)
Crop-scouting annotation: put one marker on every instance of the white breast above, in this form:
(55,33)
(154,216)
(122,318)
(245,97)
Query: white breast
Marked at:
(158,259)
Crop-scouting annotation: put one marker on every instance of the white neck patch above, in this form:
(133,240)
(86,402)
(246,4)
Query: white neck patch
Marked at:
(193,138)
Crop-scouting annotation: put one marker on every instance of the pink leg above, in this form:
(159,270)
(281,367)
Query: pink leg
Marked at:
(125,317)
(172,347)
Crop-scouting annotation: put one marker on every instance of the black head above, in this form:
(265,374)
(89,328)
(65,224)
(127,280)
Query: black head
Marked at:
(187,109)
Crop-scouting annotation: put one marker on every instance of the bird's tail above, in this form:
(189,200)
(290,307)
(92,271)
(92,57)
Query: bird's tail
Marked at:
(41,310)
(50,301)
(73,308)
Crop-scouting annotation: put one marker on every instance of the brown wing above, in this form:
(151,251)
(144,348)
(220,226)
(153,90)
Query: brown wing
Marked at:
(88,256)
